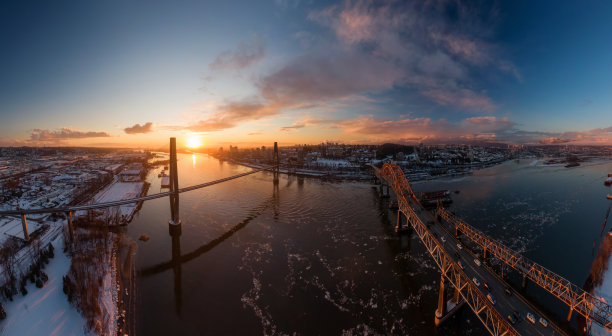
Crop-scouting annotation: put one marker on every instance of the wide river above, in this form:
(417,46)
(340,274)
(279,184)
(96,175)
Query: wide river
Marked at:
(311,257)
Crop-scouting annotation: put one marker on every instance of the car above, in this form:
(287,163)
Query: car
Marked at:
(517,315)
(491,298)
(531,318)
(508,291)
(443,239)
(459,246)
(476,281)
(543,322)
(486,285)
(477,262)
(511,319)
(460,264)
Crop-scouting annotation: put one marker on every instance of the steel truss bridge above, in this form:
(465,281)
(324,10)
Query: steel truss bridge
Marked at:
(590,307)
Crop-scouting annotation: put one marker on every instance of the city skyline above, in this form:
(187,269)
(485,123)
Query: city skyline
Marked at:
(217,73)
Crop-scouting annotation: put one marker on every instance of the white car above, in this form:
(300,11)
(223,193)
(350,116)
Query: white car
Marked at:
(443,239)
(476,281)
(477,262)
(459,246)
(531,318)
(491,298)
(543,322)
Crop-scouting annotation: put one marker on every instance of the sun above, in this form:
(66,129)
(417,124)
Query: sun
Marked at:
(194,141)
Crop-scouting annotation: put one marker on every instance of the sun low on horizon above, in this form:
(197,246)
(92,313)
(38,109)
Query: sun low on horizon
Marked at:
(194,141)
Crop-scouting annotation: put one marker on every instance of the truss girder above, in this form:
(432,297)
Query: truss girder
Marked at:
(483,309)
(591,307)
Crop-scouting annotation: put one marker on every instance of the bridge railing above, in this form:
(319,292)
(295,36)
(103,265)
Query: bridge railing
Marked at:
(485,312)
(589,306)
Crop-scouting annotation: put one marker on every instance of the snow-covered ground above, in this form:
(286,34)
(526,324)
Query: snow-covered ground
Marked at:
(44,311)
(11,226)
(119,191)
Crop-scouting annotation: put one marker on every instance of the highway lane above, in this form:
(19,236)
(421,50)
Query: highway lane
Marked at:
(505,304)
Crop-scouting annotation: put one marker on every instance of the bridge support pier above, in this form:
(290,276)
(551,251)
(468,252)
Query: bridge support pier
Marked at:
(24,226)
(70,228)
(441,311)
(399,227)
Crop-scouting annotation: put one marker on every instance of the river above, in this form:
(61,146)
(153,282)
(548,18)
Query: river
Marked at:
(313,257)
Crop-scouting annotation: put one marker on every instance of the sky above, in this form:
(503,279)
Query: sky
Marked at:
(133,73)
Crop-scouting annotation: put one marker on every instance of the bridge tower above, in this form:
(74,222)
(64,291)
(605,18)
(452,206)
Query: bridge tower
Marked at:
(175,222)
(276,162)
(24,226)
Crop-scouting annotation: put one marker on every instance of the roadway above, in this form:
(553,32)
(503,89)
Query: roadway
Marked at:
(505,304)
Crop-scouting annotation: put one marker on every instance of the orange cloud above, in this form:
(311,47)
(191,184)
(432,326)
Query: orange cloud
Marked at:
(64,134)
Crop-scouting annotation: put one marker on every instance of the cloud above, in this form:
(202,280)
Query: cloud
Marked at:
(372,48)
(463,98)
(319,79)
(231,113)
(64,134)
(293,127)
(137,128)
(247,53)
(554,140)
(413,130)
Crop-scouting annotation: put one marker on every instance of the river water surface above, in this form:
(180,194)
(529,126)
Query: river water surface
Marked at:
(312,257)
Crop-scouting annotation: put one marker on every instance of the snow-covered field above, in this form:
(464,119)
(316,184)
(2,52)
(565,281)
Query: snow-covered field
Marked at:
(10,226)
(119,191)
(44,311)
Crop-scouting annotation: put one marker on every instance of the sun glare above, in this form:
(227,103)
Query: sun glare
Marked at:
(194,141)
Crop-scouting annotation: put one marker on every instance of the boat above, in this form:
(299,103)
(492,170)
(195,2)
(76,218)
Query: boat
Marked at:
(165,182)
(608,181)
(609,197)
(430,199)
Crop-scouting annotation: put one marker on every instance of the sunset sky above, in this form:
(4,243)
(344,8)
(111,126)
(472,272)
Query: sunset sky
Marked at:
(133,73)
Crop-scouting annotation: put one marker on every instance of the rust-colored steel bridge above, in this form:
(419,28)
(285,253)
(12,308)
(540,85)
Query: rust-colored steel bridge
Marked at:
(590,307)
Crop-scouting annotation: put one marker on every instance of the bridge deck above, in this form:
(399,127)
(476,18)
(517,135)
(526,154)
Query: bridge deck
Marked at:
(505,305)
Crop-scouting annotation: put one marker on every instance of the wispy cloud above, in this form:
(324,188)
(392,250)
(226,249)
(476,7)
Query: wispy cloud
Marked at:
(64,134)
(247,53)
(137,128)
(230,114)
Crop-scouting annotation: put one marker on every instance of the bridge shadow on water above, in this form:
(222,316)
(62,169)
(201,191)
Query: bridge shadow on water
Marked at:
(178,259)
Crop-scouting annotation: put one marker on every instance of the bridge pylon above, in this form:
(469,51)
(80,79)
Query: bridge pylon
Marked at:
(175,222)
(276,162)
(24,226)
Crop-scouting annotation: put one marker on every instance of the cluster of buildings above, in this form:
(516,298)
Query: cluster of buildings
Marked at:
(32,178)
(418,162)
(352,161)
